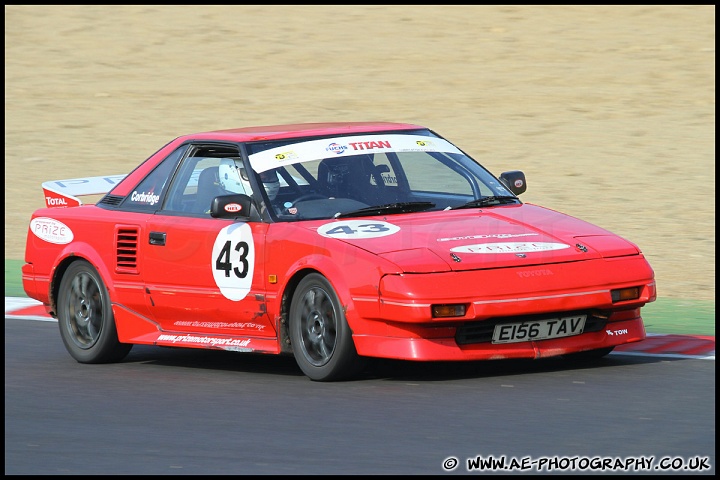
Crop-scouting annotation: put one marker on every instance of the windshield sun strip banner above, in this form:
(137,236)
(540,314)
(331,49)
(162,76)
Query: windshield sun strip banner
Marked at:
(344,146)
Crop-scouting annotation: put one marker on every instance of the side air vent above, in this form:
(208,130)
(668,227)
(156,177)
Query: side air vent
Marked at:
(111,200)
(126,246)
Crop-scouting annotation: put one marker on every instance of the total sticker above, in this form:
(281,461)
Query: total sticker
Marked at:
(233,261)
(510,247)
(357,229)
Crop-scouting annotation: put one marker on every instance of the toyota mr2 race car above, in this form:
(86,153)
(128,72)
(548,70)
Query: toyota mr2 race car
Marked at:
(331,242)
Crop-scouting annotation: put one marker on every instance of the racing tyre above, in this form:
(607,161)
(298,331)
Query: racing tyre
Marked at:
(588,355)
(85,317)
(320,336)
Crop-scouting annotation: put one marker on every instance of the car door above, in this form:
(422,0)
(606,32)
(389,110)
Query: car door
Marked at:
(204,274)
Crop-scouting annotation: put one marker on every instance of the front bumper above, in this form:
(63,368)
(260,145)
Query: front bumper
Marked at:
(447,348)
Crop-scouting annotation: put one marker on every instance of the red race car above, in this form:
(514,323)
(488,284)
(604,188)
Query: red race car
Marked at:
(332,242)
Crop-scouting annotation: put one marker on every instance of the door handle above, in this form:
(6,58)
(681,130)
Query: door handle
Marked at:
(157,238)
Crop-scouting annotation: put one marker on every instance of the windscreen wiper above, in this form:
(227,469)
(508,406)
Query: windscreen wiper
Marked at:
(403,207)
(490,201)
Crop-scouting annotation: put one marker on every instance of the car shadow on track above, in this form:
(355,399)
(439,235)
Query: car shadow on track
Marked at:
(396,370)
(214,360)
(376,369)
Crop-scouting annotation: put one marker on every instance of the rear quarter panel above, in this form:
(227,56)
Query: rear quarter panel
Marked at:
(93,232)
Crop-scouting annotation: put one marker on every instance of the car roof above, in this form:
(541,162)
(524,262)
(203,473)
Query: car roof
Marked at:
(275,132)
(260,133)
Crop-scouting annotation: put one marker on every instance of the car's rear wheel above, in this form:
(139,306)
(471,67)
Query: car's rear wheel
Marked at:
(85,317)
(320,336)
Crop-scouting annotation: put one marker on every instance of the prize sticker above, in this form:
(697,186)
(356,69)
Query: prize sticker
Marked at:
(509,247)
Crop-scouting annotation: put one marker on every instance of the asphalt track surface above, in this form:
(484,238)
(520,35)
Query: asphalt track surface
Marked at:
(184,411)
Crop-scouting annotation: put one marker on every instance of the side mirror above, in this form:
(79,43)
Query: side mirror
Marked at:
(231,206)
(515,181)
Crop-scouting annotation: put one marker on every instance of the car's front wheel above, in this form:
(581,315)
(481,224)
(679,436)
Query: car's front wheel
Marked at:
(85,317)
(320,336)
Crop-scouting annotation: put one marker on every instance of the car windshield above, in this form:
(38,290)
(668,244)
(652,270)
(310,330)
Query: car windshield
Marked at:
(372,174)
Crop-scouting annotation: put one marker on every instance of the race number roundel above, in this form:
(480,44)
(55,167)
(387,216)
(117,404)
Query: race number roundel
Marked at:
(357,229)
(233,261)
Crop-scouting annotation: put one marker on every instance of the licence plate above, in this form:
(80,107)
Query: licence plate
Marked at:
(539,329)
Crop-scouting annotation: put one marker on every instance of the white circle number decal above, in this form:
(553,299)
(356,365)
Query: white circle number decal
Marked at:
(510,247)
(357,229)
(233,261)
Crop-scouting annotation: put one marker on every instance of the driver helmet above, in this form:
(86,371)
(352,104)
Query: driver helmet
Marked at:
(233,177)
(271,183)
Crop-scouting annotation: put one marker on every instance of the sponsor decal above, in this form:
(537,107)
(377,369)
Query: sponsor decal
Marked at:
(357,229)
(356,146)
(336,148)
(611,333)
(203,340)
(286,156)
(149,198)
(510,247)
(58,200)
(370,145)
(51,230)
(492,235)
(387,179)
(233,207)
(55,202)
(201,324)
(518,183)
